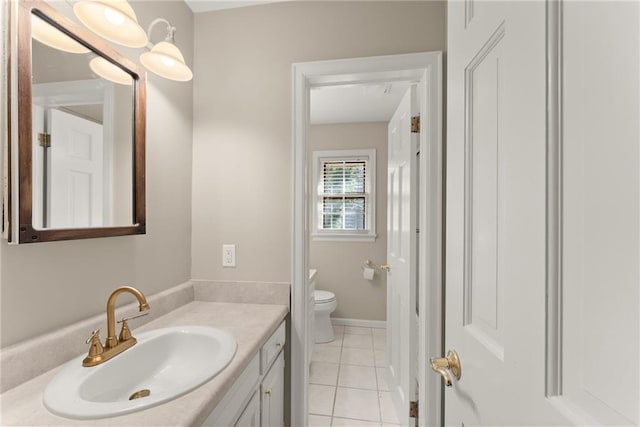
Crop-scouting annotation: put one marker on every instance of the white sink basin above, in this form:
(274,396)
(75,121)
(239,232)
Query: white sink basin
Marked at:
(167,362)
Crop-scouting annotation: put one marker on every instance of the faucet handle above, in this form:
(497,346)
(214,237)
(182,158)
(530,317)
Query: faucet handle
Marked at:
(124,319)
(96,346)
(94,334)
(125,332)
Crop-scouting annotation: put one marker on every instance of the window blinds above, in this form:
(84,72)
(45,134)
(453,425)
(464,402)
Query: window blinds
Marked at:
(344,194)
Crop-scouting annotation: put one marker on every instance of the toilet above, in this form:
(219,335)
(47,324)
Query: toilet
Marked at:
(325,304)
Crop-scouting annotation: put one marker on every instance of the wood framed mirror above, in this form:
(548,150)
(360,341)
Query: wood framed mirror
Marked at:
(80,137)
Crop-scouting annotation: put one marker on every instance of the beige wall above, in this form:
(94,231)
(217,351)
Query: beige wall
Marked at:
(242,115)
(339,264)
(46,286)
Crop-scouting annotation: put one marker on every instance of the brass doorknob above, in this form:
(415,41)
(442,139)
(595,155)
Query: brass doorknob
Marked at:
(385,267)
(447,366)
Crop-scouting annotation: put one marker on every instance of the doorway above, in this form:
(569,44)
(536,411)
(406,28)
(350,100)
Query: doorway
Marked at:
(425,69)
(354,137)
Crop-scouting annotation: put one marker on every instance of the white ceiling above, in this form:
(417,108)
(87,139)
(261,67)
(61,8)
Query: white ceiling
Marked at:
(210,5)
(356,103)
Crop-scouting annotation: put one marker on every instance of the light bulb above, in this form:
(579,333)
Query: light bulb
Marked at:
(113,16)
(169,62)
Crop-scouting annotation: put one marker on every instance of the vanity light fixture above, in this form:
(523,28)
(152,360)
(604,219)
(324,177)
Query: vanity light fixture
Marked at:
(109,71)
(52,37)
(114,20)
(165,59)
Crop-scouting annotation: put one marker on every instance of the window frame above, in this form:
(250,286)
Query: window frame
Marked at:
(368,234)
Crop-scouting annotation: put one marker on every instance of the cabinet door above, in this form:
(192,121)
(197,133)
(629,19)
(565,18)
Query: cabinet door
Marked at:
(272,395)
(251,415)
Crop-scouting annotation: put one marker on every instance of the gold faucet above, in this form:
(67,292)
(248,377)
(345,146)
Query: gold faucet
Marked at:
(112,345)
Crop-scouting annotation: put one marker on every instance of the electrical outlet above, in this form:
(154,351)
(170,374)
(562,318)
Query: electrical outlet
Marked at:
(228,255)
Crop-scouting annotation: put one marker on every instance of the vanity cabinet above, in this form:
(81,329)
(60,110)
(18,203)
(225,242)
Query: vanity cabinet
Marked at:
(257,397)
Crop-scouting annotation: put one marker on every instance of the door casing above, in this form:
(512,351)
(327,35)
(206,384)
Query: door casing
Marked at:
(426,70)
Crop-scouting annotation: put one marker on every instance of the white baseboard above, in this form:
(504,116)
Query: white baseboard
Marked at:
(380,324)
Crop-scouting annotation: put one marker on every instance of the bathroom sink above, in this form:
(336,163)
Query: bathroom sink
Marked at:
(164,364)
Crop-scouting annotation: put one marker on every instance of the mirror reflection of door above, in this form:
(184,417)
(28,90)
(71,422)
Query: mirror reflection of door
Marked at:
(82,140)
(75,182)
(70,188)
(69,170)
(83,102)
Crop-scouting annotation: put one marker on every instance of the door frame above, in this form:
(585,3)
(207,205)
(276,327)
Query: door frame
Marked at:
(426,69)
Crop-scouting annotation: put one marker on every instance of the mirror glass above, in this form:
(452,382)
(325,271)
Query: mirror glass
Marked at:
(82,131)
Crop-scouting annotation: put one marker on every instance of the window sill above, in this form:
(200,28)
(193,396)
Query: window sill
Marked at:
(343,237)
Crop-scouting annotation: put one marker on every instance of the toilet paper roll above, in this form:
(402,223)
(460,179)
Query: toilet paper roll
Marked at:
(367,273)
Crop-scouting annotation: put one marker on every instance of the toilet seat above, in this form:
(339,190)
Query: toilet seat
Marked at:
(323,297)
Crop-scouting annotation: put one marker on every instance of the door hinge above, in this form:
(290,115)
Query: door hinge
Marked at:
(44,139)
(413,409)
(415,124)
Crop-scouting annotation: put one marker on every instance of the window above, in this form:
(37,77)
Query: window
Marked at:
(344,196)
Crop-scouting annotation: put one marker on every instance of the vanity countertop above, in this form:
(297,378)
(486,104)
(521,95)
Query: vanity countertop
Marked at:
(250,324)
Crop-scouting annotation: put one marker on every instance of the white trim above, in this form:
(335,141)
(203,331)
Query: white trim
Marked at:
(431,243)
(300,354)
(553,309)
(344,237)
(427,69)
(361,323)
(5,30)
(72,92)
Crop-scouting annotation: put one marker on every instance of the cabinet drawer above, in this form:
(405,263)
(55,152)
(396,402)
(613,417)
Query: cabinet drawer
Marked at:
(272,347)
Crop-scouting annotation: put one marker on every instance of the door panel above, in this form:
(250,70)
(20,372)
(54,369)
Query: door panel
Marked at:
(483,295)
(543,212)
(401,241)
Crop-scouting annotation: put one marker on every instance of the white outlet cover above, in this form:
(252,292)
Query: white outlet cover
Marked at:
(228,255)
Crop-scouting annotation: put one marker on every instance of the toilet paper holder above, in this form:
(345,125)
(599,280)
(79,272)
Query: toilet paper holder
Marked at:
(369,264)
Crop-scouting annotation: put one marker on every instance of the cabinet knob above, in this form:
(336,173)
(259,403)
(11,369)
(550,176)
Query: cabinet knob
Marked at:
(268,392)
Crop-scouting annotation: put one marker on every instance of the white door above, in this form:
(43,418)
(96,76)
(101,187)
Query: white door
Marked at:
(401,251)
(542,236)
(76,172)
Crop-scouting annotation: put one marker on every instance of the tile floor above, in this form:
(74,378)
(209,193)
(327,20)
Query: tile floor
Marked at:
(347,381)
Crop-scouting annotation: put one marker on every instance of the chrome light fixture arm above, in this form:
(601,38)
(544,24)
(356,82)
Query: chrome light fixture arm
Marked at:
(171,31)
(164,58)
